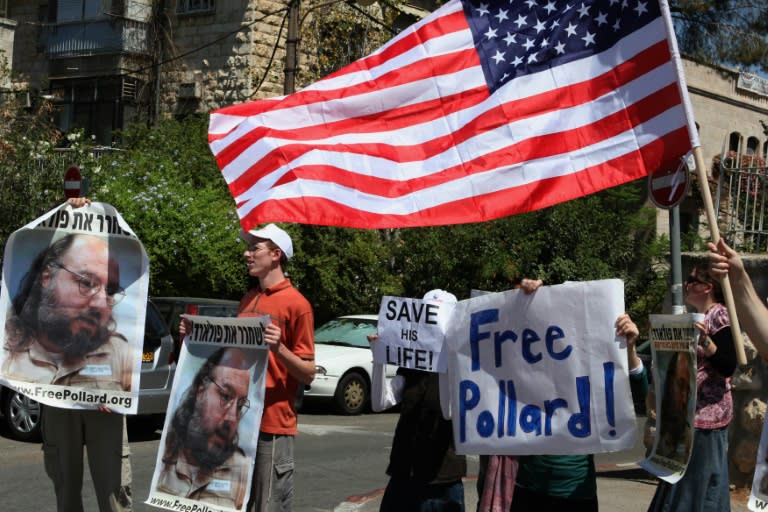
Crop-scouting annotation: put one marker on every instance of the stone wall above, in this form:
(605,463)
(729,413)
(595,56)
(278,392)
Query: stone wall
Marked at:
(30,62)
(226,71)
(7,31)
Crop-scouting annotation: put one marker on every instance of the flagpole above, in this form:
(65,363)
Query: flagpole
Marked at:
(715,231)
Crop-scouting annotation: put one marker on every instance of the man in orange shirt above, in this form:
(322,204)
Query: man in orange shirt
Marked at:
(290,337)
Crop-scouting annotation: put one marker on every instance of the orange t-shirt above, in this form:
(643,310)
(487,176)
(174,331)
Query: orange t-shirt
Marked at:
(287,308)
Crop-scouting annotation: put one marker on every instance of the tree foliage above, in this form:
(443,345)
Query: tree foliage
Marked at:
(723,31)
(166,186)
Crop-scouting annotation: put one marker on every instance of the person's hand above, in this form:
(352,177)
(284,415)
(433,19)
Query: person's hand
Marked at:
(627,328)
(185,326)
(372,337)
(104,408)
(722,259)
(272,337)
(78,202)
(705,342)
(530,285)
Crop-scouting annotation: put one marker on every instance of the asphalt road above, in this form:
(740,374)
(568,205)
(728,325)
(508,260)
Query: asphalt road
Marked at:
(338,457)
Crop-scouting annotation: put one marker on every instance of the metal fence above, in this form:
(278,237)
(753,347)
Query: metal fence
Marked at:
(740,200)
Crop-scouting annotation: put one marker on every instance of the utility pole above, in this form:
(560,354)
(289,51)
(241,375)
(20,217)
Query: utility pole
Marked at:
(291,45)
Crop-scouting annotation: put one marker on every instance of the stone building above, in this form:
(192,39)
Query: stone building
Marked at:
(107,63)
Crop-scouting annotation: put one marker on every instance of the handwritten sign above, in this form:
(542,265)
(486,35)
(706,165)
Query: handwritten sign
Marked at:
(411,333)
(541,373)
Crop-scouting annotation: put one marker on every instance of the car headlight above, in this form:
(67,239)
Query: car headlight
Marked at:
(320,370)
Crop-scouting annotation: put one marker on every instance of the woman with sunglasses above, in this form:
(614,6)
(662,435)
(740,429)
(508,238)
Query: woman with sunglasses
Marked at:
(704,487)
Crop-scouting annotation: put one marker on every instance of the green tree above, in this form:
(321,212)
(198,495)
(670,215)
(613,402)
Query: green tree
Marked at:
(166,186)
(723,31)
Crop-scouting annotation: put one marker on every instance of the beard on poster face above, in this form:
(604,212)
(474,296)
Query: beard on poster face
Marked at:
(210,455)
(76,334)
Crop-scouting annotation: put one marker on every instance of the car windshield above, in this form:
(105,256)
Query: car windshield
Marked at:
(351,332)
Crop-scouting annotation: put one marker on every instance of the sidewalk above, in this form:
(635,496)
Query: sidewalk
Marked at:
(625,488)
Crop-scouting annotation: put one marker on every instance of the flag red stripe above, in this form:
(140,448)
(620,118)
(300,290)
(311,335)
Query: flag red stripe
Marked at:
(534,148)
(543,103)
(505,202)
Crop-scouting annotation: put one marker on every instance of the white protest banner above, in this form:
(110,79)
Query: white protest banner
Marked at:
(673,347)
(411,333)
(206,453)
(542,373)
(73,304)
(758,498)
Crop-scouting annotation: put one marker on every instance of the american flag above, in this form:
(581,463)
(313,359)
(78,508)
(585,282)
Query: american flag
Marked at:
(479,111)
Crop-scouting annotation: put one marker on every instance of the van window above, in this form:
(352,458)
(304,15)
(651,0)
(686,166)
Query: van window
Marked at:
(154,328)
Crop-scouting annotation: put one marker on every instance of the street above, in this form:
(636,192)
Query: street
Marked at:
(337,457)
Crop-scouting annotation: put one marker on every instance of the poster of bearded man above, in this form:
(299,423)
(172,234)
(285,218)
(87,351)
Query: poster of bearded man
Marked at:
(206,452)
(73,306)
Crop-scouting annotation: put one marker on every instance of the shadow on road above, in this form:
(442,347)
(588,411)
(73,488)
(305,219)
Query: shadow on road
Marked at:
(637,474)
(145,428)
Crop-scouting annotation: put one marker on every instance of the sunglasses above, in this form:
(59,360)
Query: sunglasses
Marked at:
(694,280)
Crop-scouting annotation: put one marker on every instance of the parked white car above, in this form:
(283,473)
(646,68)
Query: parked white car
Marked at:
(344,363)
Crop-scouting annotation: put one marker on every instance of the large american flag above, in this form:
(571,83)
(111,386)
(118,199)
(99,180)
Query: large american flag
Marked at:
(479,111)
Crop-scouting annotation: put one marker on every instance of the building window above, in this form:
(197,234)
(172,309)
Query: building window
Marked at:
(734,142)
(195,6)
(752,145)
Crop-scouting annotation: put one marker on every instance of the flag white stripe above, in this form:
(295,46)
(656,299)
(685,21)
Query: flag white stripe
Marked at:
(478,184)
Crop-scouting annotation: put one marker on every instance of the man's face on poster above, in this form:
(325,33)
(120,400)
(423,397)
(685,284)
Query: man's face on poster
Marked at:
(680,383)
(77,297)
(222,399)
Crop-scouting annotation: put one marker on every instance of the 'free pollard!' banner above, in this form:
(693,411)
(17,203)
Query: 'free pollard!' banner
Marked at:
(542,373)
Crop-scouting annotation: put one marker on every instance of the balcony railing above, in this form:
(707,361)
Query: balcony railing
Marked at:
(741,200)
(96,37)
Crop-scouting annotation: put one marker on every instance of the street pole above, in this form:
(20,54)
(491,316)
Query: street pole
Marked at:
(678,308)
(291,45)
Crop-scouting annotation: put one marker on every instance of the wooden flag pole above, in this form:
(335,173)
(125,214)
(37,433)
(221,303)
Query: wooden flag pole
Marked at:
(701,173)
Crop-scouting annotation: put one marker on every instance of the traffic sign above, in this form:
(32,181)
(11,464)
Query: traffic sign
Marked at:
(72,182)
(668,185)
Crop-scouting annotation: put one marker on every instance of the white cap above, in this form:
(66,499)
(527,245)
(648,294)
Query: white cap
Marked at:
(438,295)
(271,232)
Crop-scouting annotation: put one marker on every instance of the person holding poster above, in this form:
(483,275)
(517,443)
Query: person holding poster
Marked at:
(202,459)
(425,471)
(60,330)
(568,482)
(290,337)
(704,487)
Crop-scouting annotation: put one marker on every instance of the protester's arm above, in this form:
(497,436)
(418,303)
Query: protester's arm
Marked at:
(638,374)
(302,369)
(752,312)
(384,394)
(719,349)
